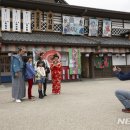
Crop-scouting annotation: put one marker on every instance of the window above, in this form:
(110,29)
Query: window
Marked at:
(5,64)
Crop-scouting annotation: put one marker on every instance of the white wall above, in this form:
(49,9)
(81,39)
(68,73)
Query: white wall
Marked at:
(118,60)
(128,59)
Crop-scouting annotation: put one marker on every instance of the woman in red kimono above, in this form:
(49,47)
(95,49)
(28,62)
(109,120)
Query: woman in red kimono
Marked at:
(56,71)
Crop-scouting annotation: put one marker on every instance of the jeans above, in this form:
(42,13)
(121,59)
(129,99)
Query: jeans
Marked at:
(42,80)
(124,97)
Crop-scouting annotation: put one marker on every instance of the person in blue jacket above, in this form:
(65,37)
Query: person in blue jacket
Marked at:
(17,71)
(122,95)
(30,73)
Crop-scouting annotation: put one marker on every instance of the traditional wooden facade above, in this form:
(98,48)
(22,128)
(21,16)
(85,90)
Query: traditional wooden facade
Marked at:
(40,25)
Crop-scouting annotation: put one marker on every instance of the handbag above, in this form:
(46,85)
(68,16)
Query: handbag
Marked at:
(37,76)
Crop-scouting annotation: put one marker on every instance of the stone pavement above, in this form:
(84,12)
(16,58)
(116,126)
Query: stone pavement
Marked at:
(83,105)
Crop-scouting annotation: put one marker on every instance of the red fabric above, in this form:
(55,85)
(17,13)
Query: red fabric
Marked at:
(30,83)
(56,71)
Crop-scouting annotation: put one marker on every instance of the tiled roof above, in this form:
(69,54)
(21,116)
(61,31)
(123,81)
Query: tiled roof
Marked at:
(114,41)
(51,1)
(46,38)
(59,39)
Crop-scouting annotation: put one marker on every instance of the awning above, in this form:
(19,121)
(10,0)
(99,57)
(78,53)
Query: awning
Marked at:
(40,48)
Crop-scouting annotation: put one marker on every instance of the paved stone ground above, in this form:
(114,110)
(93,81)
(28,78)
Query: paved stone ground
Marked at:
(83,105)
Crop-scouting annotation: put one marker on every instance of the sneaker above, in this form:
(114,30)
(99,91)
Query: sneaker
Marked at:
(18,101)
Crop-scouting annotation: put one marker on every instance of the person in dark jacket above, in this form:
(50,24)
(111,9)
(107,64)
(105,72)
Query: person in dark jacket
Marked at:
(122,95)
(30,73)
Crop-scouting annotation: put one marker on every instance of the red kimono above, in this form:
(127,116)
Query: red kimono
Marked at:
(56,71)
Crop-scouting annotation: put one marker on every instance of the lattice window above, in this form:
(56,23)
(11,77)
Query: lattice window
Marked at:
(86,26)
(127,24)
(86,29)
(43,26)
(100,31)
(49,21)
(100,26)
(32,20)
(44,22)
(118,31)
(117,23)
(57,27)
(57,20)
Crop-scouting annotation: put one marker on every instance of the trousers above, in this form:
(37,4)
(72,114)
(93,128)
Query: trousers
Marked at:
(30,83)
(124,97)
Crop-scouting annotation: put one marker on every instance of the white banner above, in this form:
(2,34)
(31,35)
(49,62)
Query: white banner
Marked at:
(93,27)
(106,28)
(26,21)
(16,20)
(5,20)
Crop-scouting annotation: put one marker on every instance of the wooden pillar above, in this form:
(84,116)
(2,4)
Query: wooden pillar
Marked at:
(92,73)
(129,36)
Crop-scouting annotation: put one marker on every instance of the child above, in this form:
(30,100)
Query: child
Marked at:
(40,77)
(30,73)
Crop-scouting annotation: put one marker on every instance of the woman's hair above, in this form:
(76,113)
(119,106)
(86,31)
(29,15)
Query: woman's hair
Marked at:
(55,55)
(20,49)
(39,62)
(39,57)
(25,59)
(29,57)
(41,53)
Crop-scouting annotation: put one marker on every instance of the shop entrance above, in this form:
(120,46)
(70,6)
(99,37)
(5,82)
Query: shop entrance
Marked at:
(103,66)
(85,65)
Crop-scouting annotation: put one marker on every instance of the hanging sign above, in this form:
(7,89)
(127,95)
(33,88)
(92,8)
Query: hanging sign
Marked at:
(26,21)
(73,25)
(5,13)
(93,27)
(106,28)
(16,20)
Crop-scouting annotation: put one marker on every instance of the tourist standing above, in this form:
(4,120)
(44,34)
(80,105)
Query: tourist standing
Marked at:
(47,70)
(18,83)
(56,73)
(30,73)
(40,77)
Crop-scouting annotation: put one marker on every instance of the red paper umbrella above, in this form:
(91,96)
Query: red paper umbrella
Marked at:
(49,54)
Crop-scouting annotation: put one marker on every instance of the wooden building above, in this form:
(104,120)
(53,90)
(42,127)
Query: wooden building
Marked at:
(100,37)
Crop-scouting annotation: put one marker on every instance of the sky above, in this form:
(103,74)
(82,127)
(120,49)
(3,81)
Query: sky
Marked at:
(118,5)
